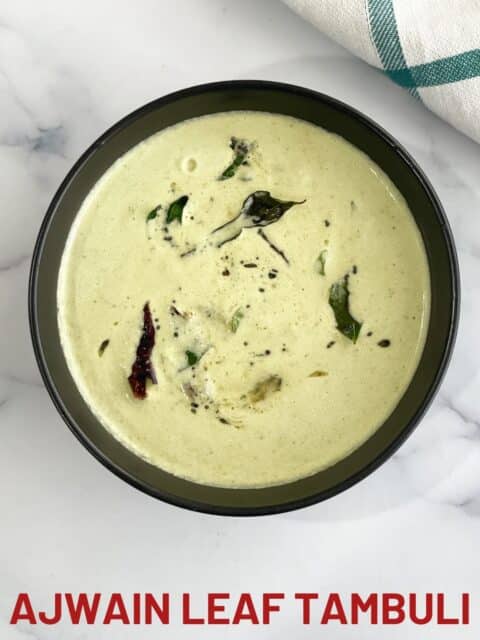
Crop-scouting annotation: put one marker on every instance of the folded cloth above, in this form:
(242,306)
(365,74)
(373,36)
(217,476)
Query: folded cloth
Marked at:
(430,47)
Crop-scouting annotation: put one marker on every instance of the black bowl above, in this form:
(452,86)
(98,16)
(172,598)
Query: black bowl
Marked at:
(260,96)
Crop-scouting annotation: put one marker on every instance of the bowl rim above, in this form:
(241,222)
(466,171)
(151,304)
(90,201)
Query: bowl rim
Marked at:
(409,427)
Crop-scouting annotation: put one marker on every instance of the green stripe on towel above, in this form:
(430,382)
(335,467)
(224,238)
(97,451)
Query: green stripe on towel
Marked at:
(384,32)
(452,69)
(383,27)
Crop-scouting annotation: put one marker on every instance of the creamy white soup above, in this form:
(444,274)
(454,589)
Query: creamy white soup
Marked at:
(243,299)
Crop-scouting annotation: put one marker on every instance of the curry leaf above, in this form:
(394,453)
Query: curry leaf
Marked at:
(241,149)
(192,358)
(154,213)
(338,300)
(259,209)
(175,210)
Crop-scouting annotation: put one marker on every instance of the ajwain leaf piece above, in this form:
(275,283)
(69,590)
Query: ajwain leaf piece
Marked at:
(192,358)
(259,209)
(264,388)
(321,261)
(338,300)
(241,149)
(142,369)
(175,210)
(235,320)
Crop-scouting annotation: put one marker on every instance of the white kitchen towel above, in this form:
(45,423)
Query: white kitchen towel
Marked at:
(430,47)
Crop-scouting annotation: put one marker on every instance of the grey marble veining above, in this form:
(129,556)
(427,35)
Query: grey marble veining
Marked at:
(67,72)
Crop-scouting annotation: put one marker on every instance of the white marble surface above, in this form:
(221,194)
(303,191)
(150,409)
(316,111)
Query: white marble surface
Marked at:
(67,71)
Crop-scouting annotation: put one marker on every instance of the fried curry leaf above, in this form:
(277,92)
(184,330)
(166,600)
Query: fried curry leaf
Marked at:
(338,300)
(235,320)
(192,358)
(259,209)
(241,149)
(320,262)
(175,210)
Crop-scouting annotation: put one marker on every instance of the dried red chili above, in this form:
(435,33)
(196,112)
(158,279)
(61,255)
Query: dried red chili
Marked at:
(142,368)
